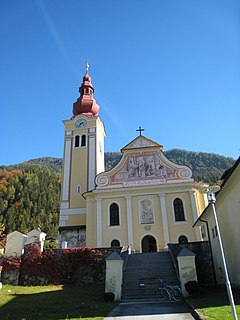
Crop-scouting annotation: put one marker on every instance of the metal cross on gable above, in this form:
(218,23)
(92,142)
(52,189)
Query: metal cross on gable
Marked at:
(140,130)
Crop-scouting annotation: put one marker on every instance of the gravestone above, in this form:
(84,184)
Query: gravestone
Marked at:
(36,236)
(15,244)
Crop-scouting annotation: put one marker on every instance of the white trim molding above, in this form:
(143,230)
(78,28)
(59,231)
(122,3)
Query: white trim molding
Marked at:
(91,162)
(129,219)
(66,170)
(162,197)
(64,205)
(195,215)
(72,211)
(99,221)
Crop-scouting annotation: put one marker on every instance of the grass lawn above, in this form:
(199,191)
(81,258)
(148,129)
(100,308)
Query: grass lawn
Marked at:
(213,304)
(53,302)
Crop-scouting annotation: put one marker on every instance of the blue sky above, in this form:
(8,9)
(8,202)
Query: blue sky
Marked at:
(170,66)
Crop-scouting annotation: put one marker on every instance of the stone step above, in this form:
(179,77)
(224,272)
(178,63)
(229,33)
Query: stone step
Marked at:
(143,272)
(142,268)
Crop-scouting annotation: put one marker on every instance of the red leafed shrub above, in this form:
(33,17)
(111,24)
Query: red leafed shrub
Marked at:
(61,266)
(32,250)
(10,264)
(31,259)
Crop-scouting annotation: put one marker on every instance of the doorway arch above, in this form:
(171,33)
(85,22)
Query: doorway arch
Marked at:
(149,244)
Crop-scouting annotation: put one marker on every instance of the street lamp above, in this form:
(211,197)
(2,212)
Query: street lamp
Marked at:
(210,191)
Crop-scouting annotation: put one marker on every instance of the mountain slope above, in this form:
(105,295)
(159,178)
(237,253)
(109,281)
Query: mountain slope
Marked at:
(206,167)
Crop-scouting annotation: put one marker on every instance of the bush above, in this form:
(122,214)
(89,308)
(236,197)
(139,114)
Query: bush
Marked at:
(10,264)
(193,288)
(109,296)
(50,244)
(65,266)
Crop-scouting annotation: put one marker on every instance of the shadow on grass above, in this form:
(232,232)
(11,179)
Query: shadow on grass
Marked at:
(214,297)
(53,302)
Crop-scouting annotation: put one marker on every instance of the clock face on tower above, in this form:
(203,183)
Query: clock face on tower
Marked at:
(80,123)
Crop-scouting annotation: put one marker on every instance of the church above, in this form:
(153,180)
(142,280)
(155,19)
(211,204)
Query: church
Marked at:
(144,202)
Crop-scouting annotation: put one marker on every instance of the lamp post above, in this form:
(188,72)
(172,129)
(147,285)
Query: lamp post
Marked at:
(210,191)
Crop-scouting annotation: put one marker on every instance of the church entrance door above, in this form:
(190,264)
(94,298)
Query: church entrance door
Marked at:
(149,244)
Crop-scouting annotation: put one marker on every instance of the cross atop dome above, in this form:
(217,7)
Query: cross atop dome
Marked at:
(86,104)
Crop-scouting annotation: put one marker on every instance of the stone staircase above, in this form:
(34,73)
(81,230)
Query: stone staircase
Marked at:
(142,273)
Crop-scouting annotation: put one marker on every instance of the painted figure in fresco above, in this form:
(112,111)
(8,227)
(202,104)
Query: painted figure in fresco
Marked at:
(141,168)
(131,168)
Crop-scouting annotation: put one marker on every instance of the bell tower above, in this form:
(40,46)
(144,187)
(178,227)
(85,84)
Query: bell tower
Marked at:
(83,159)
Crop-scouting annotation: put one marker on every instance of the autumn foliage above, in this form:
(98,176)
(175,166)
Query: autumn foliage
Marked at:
(58,266)
(10,264)
(62,266)
(29,198)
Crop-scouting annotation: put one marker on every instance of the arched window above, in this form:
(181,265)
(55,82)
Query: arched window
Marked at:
(83,141)
(182,240)
(76,143)
(78,188)
(115,243)
(114,215)
(178,210)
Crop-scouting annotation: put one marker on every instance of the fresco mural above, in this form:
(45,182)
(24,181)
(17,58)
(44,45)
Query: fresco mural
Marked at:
(143,167)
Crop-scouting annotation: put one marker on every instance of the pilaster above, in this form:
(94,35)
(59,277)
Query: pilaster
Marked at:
(195,215)
(66,166)
(164,218)
(129,219)
(99,221)
(91,160)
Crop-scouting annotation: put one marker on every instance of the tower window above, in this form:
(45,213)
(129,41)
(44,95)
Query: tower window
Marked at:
(83,140)
(87,90)
(78,188)
(115,243)
(77,140)
(114,215)
(178,210)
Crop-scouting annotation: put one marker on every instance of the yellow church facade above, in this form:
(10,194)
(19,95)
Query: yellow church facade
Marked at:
(144,202)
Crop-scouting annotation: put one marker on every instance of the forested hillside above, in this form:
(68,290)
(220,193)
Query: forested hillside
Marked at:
(30,198)
(206,167)
(55,164)
(30,191)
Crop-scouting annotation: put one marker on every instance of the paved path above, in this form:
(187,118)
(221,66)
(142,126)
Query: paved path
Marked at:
(139,310)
